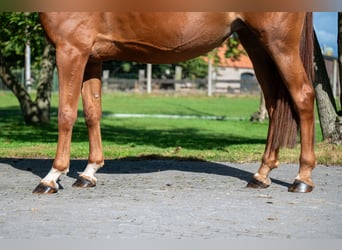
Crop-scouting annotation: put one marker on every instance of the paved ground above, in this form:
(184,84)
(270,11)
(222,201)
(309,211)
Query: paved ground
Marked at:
(168,199)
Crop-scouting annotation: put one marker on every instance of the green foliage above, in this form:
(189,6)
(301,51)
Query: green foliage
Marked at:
(233,49)
(198,67)
(17,29)
(195,68)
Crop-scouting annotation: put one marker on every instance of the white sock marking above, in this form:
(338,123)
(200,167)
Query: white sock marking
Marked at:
(91,169)
(52,177)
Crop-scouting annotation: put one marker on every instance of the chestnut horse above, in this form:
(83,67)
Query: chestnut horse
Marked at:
(273,41)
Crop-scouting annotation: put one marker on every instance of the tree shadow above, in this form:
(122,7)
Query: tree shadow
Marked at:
(139,165)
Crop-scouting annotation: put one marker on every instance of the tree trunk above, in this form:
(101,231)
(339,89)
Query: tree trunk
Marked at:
(44,88)
(262,114)
(339,41)
(330,122)
(38,111)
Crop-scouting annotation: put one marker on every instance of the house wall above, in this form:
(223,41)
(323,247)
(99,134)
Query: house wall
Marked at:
(228,79)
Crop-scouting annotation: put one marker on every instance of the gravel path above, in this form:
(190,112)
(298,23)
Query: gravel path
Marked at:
(168,199)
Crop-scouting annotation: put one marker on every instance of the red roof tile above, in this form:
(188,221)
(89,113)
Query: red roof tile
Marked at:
(242,62)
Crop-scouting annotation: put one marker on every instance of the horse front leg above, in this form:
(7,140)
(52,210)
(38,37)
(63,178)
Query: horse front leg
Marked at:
(91,97)
(71,66)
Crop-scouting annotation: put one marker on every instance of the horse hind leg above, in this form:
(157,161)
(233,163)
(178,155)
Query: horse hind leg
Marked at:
(282,131)
(91,98)
(284,51)
(265,71)
(302,94)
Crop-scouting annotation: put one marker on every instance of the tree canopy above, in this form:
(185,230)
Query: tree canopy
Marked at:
(17,29)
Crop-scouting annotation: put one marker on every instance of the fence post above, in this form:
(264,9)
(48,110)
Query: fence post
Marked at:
(210,81)
(178,77)
(334,80)
(149,78)
(105,77)
(28,66)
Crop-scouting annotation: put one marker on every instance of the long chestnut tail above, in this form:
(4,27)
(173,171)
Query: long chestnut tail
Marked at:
(286,119)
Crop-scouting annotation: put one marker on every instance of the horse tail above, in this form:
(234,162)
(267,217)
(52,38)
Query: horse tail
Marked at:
(284,116)
(307,46)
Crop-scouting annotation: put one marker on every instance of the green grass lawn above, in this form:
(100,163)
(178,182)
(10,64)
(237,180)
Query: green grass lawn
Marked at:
(234,140)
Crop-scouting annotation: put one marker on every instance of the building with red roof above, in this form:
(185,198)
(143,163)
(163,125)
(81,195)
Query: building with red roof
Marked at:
(234,75)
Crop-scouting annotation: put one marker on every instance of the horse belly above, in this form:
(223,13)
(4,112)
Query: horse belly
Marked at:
(154,38)
(147,53)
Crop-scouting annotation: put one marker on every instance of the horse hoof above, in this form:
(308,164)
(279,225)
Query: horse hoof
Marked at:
(43,189)
(82,182)
(254,183)
(300,187)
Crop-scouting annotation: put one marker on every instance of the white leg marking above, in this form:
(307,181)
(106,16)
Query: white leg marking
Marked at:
(51,178)
(89,172)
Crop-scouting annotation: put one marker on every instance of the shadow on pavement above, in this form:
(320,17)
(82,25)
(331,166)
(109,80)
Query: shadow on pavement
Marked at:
(141,165)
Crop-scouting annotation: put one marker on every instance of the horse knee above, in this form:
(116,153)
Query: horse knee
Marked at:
(91,107)
(92,117)
(304,102)
(67,118)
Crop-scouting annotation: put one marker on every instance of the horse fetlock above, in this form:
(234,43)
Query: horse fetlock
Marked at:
(91,169)
(87,178)
(259,181)
(52,177)
(264,179)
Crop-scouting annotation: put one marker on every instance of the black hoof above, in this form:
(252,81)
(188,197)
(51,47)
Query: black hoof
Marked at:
(254,183)
(300,187)
(43,189)
(81,182)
